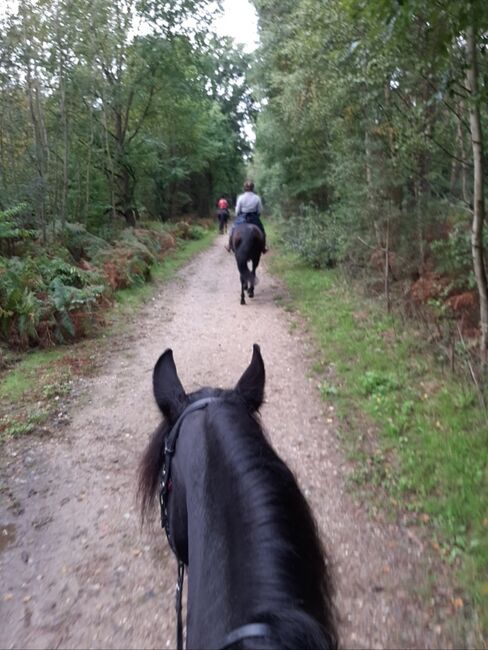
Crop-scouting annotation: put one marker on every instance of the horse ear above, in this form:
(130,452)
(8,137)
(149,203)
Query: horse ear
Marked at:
(251,385)
(168,390)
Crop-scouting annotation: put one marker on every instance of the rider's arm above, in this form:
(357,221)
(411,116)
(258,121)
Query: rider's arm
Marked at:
(238,206)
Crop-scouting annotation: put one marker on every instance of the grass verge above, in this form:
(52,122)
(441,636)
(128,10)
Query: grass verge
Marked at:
(33,392)
(415,432)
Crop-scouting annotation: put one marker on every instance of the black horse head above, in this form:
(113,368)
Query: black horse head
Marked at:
(238,520)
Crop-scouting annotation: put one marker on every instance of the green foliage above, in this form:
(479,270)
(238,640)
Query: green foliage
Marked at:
(46,300)
(39,296)
(10,228)
(20,308)
(152,243)
(315,236)
(197,232)
(453,256)
(149,122)
(81,243)
(365,113)
(376,383)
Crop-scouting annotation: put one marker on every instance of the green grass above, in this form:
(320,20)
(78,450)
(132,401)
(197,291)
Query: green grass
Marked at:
(430,448)
(28,390)
(21,379)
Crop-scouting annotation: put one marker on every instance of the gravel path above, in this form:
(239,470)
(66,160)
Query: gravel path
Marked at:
(75,569)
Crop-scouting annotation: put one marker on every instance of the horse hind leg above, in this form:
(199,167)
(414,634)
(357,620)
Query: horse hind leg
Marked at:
(243,277)
(253,280)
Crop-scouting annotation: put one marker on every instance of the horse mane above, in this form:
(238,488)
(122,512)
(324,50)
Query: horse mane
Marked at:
(150,469)
(297,586)
(291,556)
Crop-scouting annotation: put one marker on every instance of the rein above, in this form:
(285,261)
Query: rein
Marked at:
(251,630)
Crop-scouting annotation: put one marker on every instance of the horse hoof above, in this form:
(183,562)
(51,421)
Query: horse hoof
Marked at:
(243,302)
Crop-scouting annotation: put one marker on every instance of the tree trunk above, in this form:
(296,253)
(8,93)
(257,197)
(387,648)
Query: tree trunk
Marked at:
(420,226)
(64,121)
(387,261)
(88,169)
(478,188)
(369,187)
(110,162)
(464,164)
(40,139)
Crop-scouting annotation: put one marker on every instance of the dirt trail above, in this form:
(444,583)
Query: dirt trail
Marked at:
(75,569)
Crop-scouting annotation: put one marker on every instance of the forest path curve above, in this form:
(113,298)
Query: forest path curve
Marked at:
(77,572)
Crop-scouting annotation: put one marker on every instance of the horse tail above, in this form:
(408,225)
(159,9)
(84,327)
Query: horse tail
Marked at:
(246,274)
(149,470)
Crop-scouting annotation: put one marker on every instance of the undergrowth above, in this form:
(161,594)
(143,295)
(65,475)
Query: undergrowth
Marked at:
(59,293)
(428,449)
(35,384)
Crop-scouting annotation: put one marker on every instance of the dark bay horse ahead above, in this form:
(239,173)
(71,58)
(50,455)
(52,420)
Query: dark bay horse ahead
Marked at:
(248,244)
(235,516)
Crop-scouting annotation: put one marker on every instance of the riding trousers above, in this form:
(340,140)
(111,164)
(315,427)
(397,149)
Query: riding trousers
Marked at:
(250,217)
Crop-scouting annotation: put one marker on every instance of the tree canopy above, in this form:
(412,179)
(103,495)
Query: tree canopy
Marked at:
(112,108)
(374,115)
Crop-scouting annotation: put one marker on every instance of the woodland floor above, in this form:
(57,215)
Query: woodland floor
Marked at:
(76,571)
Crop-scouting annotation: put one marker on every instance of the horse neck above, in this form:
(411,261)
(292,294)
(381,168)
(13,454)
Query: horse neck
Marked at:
(239,556)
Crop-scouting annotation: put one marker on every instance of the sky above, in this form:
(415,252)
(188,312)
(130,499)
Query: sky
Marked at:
(239,21)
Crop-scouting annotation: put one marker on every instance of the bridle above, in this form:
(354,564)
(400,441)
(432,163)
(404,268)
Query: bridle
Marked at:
(164,490)
(251,630)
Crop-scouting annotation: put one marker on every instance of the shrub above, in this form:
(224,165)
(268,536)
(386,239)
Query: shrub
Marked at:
(20,308)
(46,299)
(80,243)
(126,264)
(156,242)
(12,228)
(181,229)
(39,300)
(453,256)
(196,232)
(315,236)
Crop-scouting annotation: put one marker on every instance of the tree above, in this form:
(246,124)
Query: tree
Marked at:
(113,120)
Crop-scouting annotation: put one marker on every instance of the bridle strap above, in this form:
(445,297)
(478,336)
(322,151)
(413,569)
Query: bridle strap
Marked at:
(175,430)
(250,631)
(178,605)
(169,451)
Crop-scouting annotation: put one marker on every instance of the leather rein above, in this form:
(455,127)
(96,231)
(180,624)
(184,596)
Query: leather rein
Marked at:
(251,630)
